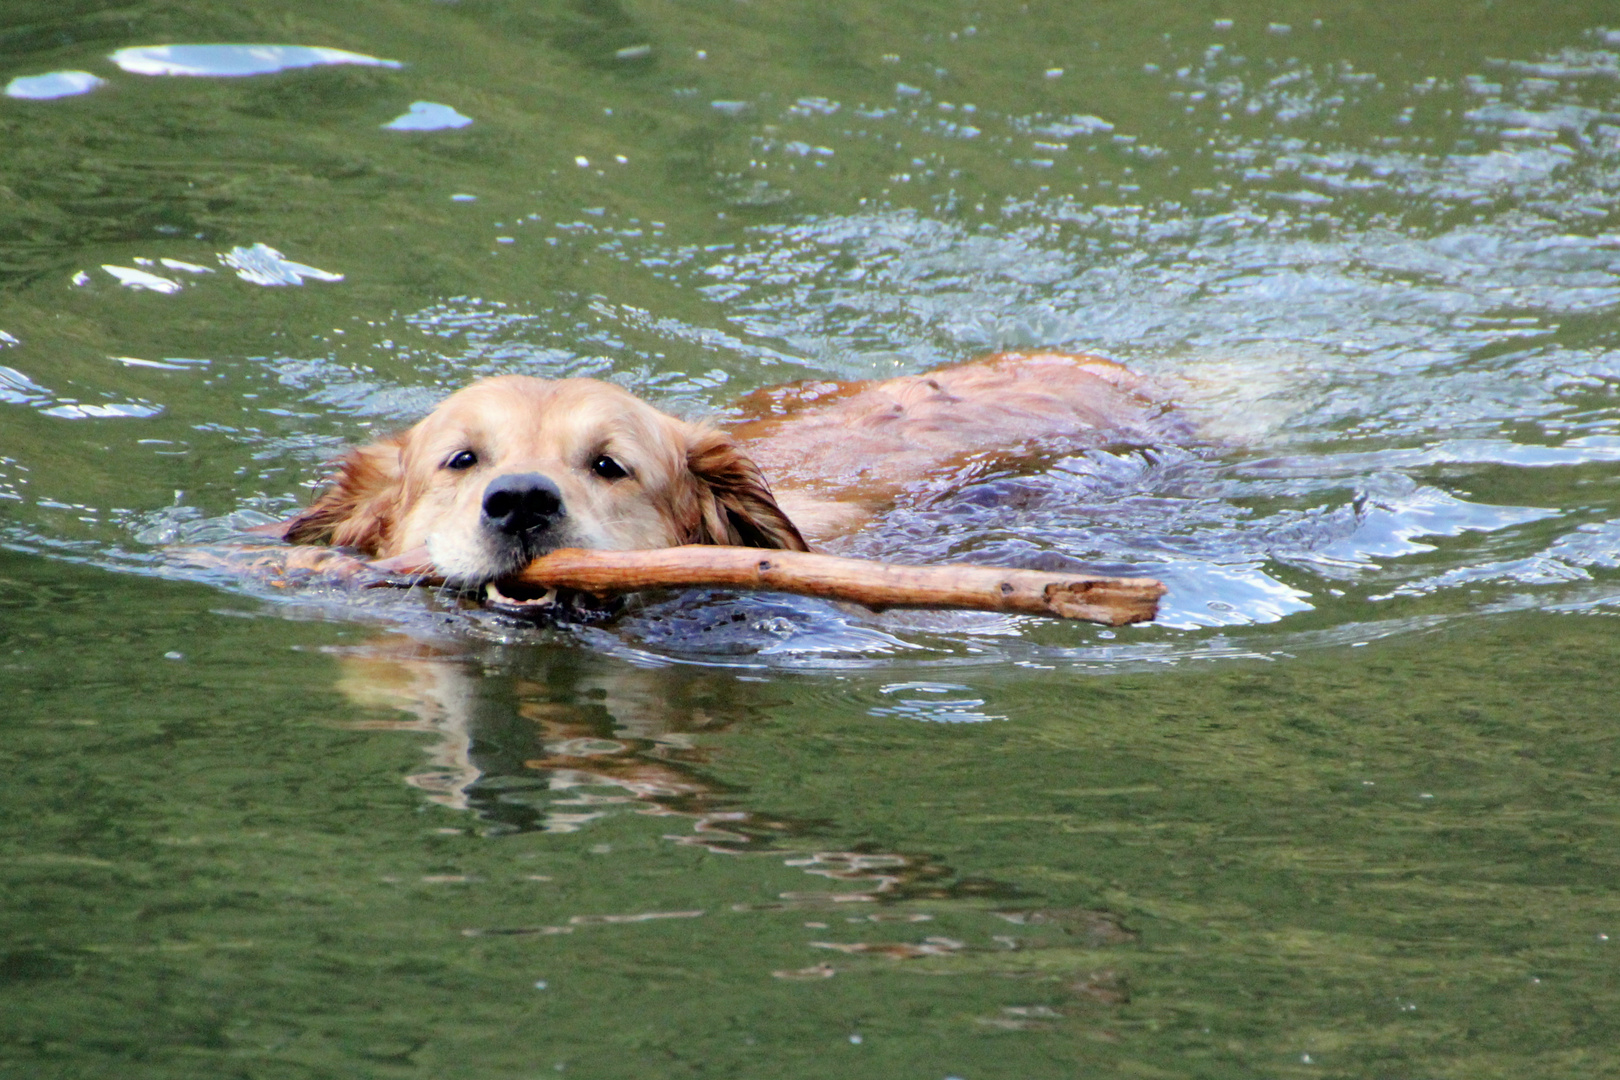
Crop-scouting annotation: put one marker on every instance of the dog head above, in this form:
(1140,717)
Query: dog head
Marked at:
(514,467)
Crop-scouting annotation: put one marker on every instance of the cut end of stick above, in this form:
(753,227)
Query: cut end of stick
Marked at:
(1116,602)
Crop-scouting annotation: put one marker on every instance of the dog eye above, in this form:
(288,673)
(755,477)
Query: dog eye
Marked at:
(607,468)
(464,459)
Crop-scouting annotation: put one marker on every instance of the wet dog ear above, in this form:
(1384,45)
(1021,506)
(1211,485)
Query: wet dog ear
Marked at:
(358,510)
(734,502)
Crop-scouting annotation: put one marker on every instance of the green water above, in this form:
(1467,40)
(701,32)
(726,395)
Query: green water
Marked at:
(1349,811)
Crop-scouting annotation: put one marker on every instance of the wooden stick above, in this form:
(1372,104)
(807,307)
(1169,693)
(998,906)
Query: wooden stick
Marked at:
(1111,601)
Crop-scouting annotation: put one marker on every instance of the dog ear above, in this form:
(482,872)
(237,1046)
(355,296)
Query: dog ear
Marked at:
(359,508)
(735,504)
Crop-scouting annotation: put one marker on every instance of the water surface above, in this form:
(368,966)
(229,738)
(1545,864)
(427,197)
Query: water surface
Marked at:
(1347,809)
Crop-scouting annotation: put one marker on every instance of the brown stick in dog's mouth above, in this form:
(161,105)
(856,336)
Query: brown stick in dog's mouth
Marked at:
(593,576)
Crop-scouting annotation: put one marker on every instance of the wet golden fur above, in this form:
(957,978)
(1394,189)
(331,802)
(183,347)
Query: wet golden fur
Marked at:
(839,451)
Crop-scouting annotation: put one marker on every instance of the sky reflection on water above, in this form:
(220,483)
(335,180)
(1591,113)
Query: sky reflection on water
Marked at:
(55,84)
(235,61)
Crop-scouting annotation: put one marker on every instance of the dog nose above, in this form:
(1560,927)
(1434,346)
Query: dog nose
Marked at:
(521,503)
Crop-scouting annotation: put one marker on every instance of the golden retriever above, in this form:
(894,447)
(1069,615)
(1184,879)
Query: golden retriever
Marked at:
(512,467)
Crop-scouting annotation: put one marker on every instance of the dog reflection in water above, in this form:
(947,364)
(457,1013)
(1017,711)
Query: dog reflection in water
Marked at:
(554,747)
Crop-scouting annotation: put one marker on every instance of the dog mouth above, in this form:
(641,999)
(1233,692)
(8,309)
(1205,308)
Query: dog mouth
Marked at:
(505,592)
(494,582)
(537,603)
